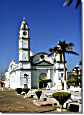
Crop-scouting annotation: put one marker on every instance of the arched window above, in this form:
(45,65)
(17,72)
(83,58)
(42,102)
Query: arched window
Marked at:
(43,76)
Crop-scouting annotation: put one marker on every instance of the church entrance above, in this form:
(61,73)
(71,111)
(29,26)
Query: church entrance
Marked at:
(43,81)
(42,77)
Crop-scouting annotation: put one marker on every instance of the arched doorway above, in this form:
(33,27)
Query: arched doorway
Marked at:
(42,78)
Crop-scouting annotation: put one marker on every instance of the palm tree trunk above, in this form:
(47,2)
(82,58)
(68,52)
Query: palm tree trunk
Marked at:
(64,67)
(64,72)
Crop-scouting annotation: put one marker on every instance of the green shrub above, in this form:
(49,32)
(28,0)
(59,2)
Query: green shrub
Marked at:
(19,90)
(62,97)
(71,82)
(38,93)
(26,90)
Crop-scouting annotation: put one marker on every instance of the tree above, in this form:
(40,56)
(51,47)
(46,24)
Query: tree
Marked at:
(80,63)
(69,2)
(18,90)
(2,76)
(62,48)
(62,97)
(26,90)
(71,82)
(77,75)
(38,93)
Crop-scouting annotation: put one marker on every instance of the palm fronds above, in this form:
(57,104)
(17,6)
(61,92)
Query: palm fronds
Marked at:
(69,2)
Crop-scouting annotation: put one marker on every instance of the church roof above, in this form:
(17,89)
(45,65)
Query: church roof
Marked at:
(41,58)
(40,53)
(43,63)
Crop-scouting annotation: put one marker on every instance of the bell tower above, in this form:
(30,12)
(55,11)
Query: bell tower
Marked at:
(24,56)
(24,44)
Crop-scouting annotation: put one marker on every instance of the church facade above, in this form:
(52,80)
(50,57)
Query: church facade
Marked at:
(34,70)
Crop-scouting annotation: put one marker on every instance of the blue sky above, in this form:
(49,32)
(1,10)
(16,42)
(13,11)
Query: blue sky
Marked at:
(48,21)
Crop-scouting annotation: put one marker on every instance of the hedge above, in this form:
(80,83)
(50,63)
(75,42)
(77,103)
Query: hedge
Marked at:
(26,90)
(38,93)
(62,97)
(19,90)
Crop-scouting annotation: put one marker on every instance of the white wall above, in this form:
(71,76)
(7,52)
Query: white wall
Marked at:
(15,80)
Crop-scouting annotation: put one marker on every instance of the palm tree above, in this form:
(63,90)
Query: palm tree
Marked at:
(69,2)
(62,48)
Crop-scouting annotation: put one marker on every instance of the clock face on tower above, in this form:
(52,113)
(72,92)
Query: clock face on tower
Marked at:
(24,33)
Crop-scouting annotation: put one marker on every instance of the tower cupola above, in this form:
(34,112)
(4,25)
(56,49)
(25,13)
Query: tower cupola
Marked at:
(24,25)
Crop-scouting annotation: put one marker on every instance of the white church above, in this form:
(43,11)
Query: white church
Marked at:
(33,70)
